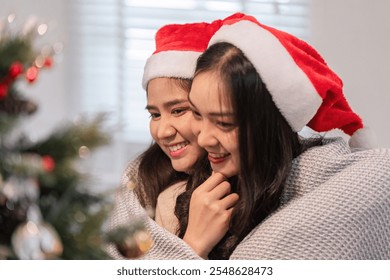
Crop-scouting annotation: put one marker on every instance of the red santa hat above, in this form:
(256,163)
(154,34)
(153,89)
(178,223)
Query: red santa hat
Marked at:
(303,87)
(178,47)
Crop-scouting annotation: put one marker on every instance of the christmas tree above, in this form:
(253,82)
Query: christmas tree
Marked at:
(46,210)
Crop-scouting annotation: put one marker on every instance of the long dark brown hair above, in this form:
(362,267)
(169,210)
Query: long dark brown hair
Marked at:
(267,146)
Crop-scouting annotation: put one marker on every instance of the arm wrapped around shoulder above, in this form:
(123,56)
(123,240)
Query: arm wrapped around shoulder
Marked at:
(337,206)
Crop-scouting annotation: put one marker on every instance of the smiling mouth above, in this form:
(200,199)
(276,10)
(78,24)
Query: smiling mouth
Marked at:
(177,149)
(218,158)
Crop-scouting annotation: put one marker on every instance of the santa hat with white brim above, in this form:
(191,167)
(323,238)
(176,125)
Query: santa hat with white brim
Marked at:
(178,46)
(305,90)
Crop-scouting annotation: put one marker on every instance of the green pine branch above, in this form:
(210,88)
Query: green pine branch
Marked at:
(15,48)
(67,141)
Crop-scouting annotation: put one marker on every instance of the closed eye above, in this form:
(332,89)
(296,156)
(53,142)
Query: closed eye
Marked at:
(196,114)
(225,124)
(179,111)
(154,116)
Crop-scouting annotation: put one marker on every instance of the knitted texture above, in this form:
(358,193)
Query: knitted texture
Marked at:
(335,205)
(127,209)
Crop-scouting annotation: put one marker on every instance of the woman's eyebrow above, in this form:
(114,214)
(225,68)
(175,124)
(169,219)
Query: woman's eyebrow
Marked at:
(150,107)
(167,104)
(214,114)
(174,102)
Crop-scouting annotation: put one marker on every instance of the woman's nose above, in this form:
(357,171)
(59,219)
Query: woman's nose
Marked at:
(205,134)
(165,129)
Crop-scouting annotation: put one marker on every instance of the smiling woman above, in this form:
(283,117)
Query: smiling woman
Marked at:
(254,88)
(170,115)
(215,122)
(165,167)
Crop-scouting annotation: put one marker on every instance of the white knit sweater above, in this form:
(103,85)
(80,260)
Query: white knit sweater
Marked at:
(335,205)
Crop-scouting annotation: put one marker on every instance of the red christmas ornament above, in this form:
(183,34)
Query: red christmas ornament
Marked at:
(48,163)
(48,62)
(31,74)
(15,70)
(3,90)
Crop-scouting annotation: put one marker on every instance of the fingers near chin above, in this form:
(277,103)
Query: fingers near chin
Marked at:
(212,182)
(229,201)
(218,176)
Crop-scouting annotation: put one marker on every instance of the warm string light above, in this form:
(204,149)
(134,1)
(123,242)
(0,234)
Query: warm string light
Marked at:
(84,152)
(11,18)
(42,29)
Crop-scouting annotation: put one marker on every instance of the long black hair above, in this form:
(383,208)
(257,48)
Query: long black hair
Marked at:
(267,145)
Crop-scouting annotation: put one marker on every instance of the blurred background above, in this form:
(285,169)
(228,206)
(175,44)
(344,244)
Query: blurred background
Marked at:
(106,43)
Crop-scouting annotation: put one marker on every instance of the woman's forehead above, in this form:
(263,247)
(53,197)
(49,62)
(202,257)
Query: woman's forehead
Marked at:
(208,87)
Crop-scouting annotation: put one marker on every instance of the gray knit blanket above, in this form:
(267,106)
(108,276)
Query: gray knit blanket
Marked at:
(335,205)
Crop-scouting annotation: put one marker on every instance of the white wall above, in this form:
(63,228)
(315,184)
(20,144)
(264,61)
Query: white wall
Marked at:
(353,36)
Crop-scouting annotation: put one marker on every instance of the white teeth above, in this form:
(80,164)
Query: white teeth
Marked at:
(178,146)
(218,155)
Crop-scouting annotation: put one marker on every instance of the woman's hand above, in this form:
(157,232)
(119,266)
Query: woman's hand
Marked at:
(211,207)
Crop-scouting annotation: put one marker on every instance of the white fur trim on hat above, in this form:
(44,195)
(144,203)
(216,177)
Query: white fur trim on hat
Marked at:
(363,138)
(171,64)
(291,89)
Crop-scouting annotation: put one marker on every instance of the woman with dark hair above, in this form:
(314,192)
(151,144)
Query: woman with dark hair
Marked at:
(254,88)
(273,194)
(247,140)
